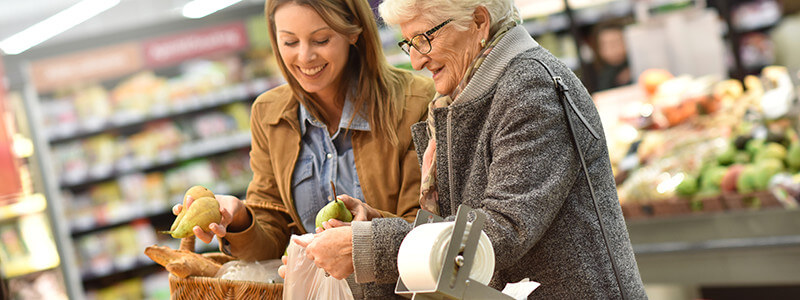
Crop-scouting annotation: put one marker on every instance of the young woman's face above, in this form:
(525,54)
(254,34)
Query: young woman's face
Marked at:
(451,53)
(312,51)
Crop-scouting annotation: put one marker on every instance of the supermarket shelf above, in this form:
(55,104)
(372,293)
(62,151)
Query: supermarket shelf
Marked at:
(721,226)
(186,152)
(721,244)
(140,269)
(554,23)
(758,27)
(24,206)
(236,93)
(161,214)
(29,271)
(746,247)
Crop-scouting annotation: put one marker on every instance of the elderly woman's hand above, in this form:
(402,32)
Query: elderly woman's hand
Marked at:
(332,250)
(234,216)
(361,211)
(282,268)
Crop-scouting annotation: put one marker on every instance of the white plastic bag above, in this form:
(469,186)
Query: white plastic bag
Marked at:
(260,271)
(305,281)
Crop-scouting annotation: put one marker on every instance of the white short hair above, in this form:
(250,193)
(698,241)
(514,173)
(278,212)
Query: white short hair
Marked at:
(396,12)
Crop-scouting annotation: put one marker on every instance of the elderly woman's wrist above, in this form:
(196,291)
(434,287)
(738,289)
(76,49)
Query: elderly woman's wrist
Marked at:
(363,256)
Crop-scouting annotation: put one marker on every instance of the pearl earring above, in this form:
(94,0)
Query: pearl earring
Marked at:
(483,42)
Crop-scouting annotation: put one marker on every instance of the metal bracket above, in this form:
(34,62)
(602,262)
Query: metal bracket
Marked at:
(454,282)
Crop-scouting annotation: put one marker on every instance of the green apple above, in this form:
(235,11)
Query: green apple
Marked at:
(334,210)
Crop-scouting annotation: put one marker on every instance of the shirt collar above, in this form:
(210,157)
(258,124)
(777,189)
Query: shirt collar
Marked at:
(359,123)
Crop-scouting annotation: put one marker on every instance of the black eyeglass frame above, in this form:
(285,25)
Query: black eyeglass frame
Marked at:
(425,35)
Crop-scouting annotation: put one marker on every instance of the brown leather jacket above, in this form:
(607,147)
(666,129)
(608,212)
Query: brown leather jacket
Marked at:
(389,175)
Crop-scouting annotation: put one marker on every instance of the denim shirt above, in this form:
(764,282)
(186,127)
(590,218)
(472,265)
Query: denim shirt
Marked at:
(323,159)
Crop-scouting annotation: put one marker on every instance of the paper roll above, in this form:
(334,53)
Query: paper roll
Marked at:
(421,255)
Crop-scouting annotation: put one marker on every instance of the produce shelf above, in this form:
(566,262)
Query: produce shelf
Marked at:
(744,247)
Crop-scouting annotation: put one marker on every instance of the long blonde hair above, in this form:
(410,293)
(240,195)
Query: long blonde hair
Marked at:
(380,87)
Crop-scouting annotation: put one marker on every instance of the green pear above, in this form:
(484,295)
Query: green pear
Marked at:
(745,183)
(726,157)
(687,187)
(771,150)
(334,210)
(711,178)
(765,170)
(793,156)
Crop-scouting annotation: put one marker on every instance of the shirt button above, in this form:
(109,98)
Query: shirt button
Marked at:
(329,155)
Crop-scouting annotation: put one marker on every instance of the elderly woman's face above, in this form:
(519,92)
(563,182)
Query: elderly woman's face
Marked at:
(451,52)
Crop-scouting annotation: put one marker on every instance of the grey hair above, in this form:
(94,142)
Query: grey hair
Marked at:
(396,12)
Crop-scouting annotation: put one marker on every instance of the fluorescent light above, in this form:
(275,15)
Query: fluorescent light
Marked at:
(55,25)
(201,8)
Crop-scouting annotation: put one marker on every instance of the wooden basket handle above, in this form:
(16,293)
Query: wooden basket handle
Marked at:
(187,243)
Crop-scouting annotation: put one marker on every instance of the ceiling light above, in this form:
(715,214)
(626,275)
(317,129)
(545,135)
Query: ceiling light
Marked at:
(201,8)
(55,25)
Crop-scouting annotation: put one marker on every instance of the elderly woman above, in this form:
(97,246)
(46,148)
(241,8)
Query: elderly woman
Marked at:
(498,140)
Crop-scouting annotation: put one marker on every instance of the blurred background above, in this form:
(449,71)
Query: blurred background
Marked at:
(110,109)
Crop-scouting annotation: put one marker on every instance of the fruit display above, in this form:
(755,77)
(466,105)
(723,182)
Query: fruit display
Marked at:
(706,145)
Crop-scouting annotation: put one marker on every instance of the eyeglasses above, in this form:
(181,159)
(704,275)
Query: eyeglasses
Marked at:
(422,41)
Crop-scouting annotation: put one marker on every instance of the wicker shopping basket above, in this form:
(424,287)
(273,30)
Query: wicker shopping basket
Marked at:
(208,288)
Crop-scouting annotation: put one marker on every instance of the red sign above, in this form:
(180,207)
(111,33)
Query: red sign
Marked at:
(9,171)
(86,67)
(173,49)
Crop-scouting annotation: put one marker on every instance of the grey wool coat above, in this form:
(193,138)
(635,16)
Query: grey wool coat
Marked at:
(504,148)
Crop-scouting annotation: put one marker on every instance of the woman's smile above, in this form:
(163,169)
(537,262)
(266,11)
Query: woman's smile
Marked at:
(313,71)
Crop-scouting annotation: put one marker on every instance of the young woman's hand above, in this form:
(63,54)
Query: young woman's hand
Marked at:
(234,217)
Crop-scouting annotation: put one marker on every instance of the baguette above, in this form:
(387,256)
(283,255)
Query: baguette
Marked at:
(182,263)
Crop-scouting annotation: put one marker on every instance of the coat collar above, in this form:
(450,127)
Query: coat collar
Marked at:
(281,105)
(516,41)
